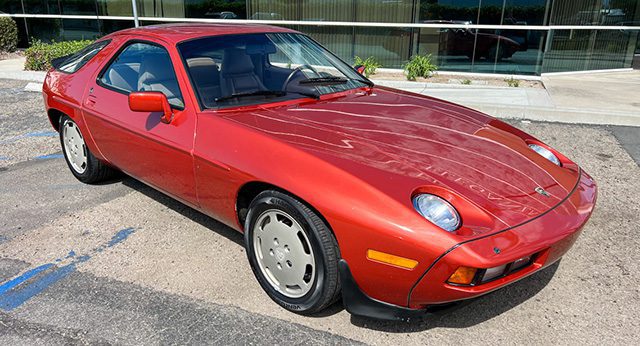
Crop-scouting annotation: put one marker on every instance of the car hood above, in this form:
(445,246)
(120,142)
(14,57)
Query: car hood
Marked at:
(401,143)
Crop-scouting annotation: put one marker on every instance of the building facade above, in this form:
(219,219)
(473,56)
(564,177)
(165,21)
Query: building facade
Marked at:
(522,37)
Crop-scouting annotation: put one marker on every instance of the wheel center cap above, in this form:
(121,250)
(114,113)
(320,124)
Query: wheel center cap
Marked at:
(279,254)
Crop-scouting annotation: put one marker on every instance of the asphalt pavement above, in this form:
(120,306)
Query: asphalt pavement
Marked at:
(120,263)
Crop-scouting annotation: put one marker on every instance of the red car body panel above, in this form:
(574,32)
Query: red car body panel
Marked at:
(358,157)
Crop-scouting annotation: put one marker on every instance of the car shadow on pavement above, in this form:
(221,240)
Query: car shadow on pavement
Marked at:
(185,210)
(464,316)
(475,312)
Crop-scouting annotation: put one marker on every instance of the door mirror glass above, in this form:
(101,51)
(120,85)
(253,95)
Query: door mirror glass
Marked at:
(360,69)
(151,101)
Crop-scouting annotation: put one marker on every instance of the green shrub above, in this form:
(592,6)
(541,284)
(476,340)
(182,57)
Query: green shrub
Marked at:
(466,81)
(40,54)
(514,83)
(370,65)
(419,66)
(8,34)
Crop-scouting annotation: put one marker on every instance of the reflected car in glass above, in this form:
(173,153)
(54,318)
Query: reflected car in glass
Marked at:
(393,201)
(481,44)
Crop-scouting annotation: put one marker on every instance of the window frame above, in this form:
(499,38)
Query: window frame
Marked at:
(120,50)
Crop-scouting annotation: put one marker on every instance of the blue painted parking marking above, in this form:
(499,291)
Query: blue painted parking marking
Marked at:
(41,134)
(30,135)
(49,156)
(24,277)
(18,290)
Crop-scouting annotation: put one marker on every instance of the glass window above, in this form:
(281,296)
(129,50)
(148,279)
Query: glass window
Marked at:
(595,12)
(228,9)
(10,6)
(114,7)
(577,50)
(161,8)
(72,63)
(236,70)
(449,11)
(144,67)
(513,12)
(389,46)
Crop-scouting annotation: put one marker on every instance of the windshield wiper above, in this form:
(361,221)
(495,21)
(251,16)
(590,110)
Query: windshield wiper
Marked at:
(252,93)
(333,80)
(324,80)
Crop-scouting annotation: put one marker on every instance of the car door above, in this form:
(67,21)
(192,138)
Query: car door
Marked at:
(138,142)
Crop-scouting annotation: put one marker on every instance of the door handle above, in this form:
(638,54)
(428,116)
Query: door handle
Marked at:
(90,101)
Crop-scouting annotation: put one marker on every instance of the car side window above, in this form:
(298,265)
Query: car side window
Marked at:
(143,67)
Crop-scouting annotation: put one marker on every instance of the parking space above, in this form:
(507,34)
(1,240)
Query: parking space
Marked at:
(122,263)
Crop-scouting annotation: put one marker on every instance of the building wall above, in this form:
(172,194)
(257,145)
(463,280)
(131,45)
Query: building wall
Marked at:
(526,37)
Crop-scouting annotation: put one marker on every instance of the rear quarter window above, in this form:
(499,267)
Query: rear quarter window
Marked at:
(73,62)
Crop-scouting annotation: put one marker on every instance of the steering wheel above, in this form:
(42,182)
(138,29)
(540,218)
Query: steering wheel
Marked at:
(296,70)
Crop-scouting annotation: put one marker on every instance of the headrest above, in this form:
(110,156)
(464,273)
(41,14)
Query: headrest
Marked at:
(153,68)
(201,62)
(204,70)
(236,61)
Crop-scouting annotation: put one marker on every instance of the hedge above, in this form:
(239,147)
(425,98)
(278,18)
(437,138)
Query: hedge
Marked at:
(8,34)
(40,54)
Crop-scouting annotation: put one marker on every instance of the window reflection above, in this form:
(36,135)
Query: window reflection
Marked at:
(449,10)
(601,12)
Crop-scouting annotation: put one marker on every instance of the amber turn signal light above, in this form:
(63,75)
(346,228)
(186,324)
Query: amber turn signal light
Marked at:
(463,276)
(390,259)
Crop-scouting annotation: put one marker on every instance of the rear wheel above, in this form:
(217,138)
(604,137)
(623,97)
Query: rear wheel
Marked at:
(84,166)
(292,253)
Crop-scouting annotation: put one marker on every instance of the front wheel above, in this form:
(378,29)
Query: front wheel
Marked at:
(292,253)
(84,166)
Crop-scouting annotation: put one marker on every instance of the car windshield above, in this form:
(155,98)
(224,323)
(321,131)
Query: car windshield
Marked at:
(238,70)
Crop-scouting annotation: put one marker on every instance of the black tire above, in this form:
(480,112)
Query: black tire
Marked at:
(95,171)
(326,286)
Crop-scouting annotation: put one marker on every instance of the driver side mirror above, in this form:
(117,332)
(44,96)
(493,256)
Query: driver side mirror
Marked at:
(151,101)
(360,69)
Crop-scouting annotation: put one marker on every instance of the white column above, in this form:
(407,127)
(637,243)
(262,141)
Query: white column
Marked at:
(135,12)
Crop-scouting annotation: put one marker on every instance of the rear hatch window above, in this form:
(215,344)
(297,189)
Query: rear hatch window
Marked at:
(73,62)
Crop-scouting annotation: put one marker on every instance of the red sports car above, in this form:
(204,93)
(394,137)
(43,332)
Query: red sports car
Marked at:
(396,202)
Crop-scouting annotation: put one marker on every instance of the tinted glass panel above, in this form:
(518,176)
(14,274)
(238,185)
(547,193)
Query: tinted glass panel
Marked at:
(509,51)
(575,50)
(455,11)
(513,12)
(114,8)
(236,70)
(595,12)
(75,61)
(229,9)
(389,46)
(144,67)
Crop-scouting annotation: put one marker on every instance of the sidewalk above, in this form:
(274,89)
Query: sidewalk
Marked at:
(598,98)
(13,69)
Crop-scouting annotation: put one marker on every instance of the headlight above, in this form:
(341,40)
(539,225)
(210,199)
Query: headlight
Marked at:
(544,152)
(438,211)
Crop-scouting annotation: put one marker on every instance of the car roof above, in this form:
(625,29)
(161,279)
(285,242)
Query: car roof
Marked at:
(175,33)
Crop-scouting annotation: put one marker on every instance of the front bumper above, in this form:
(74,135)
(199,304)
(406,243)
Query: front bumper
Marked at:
(547,237)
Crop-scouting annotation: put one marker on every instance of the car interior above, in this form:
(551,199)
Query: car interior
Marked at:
(228,68)
(143,67)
